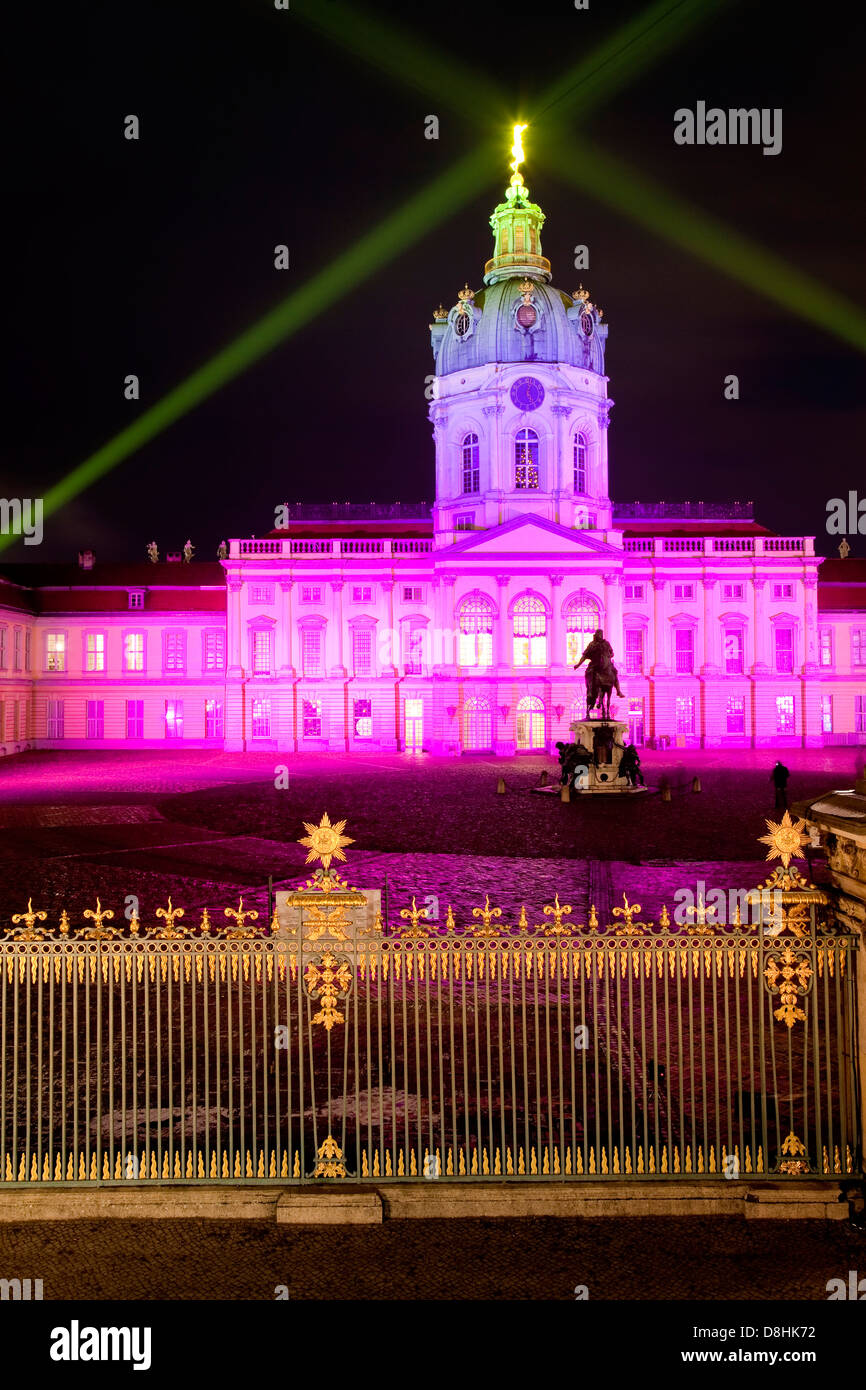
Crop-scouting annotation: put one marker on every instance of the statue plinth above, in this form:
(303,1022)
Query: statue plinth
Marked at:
(606,740)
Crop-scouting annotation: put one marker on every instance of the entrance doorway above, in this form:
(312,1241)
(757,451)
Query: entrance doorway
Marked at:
(477,725)
(530,724)
(414,713)
(635,722)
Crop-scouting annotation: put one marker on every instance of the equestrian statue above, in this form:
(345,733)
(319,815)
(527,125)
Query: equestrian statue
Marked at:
(601,674)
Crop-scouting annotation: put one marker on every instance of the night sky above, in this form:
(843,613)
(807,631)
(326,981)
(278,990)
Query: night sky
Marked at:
(149,256)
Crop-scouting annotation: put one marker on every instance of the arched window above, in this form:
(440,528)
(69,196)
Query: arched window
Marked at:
(530,632)
(581,455)
(526,460)
(477,724)
(475,621)
(470,463)
(582,618)
(530,724)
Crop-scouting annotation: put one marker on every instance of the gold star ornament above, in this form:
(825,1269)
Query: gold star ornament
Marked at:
(785,839)
(325,841)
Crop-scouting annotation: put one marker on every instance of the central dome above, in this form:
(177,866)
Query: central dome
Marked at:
(519,320)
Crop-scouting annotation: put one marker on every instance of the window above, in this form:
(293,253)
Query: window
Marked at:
(136,598)
(311,593)
(213,718)
(174,718)
(213,651)
(860,714)
(475,621)
(582,618)
(135,719)
(16,721)
(362,718)
(684,651)
(470,463)
(413,650)
(54,711)
(827,714)
(133,651)
(477,723)
(362,593)
(526,460)
(261,723)
(732,591)
(16,649)
(311,651)
(733,651)
(464,521)
(685,714)
(28,648)
(362,651)
(686,592)
(94,651)
(55,651)
(634,651)
(3,632)
(825,642)
(174,649)
(858,646)
(784,714)
(580,457)
(96,719)
(530,632)
(312,715)
(634,591)
(784,640)
(261,652)
(261,593)
(781,591)
(413,593)
(735,715)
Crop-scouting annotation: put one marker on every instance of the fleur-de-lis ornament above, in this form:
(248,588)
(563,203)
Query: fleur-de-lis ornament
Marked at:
(168,914)
(414,914)
(98,932)
(30,932)
(239,930)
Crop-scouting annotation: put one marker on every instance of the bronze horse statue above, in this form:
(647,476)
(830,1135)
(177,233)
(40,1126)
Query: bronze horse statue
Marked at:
(601,674)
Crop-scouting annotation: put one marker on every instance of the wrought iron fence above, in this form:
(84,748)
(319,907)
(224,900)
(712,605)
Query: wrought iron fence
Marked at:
(330,1049)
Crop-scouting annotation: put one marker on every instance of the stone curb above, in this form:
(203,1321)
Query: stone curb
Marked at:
(342,1204)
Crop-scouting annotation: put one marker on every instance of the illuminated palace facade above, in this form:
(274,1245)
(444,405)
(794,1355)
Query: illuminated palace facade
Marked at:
(455,629)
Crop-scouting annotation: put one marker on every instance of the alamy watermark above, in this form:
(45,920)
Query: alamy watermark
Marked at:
(736,126)
(724,907)
(22,516)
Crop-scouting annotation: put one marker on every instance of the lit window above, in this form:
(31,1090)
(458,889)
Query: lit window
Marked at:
(582,619)
(174,718)
(475,621)
(858,646)
(526,461)
(464,521)
(784,714)
(362,593)
(684,651)
(684,592)
(55,651)
(685,714)
(261,593)
(530,632)
(312,715)
(732,591)
(634,651)
(261,721)
(782,591)
(362,651)
(175,650)
(634,591)
(135,719)
(734,651)
(213,718)
(136,598)
(470,463)
(261,653)
(736,715)
(214,651)
(311,651)
(825,639)
(785,650)
(133,651)
(311,593)
(580,458)
(363,722)
(94,652)
(54,711)
(827,713)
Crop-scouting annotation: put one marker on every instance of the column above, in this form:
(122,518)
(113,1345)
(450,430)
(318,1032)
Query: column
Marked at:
(501,655)
(449,634)
(284,630)
(561,483)
(555,651)
(711,664)
(339,669)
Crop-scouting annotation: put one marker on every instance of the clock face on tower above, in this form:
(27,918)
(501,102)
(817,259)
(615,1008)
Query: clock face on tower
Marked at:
(527,393)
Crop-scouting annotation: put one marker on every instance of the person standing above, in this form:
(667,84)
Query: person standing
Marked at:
(779,777)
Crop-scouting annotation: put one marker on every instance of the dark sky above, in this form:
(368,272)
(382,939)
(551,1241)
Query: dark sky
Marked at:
(147,257)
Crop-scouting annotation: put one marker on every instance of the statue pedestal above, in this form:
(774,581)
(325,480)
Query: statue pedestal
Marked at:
(606,740)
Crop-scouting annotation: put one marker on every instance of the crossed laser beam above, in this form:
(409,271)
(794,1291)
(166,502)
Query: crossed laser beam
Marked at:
(581,87)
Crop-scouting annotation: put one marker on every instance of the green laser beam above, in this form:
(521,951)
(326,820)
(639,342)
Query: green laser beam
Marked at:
(613,182)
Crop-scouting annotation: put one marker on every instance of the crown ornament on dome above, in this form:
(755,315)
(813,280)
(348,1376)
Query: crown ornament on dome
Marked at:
(465,294)
(440,314)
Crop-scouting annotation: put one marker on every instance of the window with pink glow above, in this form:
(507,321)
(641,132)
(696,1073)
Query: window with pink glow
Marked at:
(261,653)
(784,643)
(362,651)
(261,721)
(684,651)
(174,719)
(784,714)
(55,651)
(311,651)
(734,651)
(526,461)
(530,632)
(312,717)
(94,655)
(475,620)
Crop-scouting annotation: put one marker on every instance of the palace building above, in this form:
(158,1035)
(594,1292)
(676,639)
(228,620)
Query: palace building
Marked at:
(454,628)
